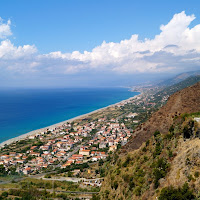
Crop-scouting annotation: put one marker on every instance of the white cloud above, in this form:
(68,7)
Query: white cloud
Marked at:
(5,30)
(10,52)
(177,47)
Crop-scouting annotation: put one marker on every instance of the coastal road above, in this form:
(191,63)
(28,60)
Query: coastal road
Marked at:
(73,179)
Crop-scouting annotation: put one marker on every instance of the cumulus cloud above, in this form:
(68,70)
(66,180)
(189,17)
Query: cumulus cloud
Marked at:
(5,29)
(175,48)
(132,55)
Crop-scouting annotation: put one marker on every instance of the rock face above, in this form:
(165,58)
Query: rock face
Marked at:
(184,101)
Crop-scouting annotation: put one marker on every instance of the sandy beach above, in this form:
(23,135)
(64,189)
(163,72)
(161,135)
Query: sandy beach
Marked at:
(24,136)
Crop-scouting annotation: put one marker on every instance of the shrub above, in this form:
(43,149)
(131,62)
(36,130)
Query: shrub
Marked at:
(115,185)
(4,194)
(158,150)
(126,162)
(47,176)
(156,133)
(171,193)
(138,191)
(160,171)
(196,174)
(170,154)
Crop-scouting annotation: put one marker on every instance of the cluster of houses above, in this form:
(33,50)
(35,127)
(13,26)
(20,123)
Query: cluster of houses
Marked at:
(67,144)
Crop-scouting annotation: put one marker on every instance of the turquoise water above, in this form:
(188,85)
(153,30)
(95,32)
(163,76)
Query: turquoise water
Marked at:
(24,110)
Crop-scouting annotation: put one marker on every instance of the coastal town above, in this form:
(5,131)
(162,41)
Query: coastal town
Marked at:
(67,144)
(57,146)
(77,142)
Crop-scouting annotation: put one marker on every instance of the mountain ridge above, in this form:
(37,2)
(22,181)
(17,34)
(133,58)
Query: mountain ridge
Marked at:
(184,101)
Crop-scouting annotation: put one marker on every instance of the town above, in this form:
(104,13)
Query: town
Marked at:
(81,141)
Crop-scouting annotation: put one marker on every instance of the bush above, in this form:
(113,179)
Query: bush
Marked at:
(158,150)
(4,194)
(137,191)
(47,176)
(126,162)
(170,154)
(156,133)
(171,193)
(196,174)
(160,171)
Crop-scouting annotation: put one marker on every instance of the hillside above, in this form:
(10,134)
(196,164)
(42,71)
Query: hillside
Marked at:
(168,91)
(184,101)
(162,159)
(178,78)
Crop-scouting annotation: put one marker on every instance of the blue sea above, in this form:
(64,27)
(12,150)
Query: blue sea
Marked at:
(24,110)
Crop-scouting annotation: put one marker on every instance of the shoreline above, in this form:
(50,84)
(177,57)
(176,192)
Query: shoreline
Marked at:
(53,126)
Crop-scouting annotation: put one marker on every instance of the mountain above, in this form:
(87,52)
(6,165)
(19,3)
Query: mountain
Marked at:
(167,91)
(178,78)
(184,101)
(162,159)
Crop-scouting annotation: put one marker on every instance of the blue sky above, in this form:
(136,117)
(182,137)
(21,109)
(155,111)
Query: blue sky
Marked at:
(66,26)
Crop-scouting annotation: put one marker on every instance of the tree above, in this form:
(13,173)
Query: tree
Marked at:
(2,170)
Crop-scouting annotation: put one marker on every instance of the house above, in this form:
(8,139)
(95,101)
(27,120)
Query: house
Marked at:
(12,154)
(112,148)
(27,170)
(85,152)
(96,158)
(32,137)
(34,147)
(102,145)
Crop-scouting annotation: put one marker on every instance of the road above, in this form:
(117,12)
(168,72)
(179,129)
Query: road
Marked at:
(53,190)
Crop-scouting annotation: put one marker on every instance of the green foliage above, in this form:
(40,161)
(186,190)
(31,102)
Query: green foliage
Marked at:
(69,174)
(137,191)
(144,149)
(62,196)
(171,193)
(160,171)
(47,176)
(170,154)
(127,161)
(101,162)
(147,143)
(29,194)
(171,129)
(102,172)
(158,150)
(115,185)
(196,174)
(4,194)
(190,178)
(94,131)
(156,133)
(95,197)
(2,170)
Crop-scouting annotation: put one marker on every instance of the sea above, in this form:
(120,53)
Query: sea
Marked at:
(25,110)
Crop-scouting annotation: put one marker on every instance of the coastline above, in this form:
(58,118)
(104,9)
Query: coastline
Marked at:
(24,136)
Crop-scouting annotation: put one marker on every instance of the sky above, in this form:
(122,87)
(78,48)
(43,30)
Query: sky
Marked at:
(87,43)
